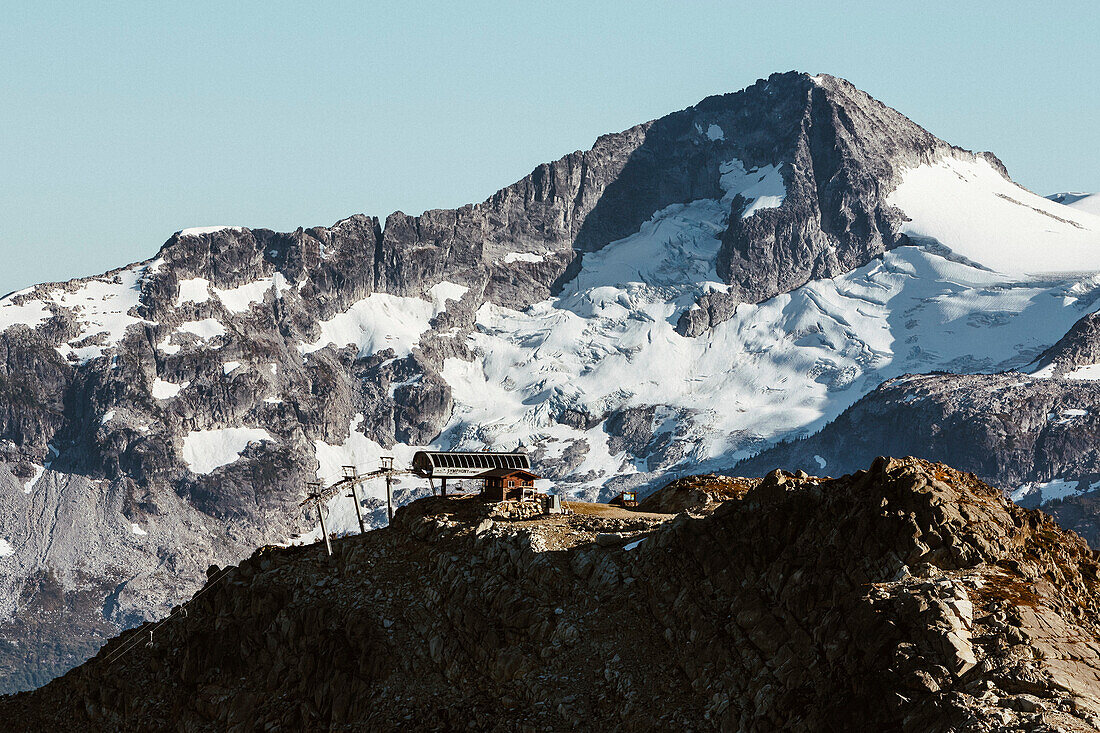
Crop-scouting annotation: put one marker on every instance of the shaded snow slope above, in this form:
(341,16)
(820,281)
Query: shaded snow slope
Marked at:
(973,210)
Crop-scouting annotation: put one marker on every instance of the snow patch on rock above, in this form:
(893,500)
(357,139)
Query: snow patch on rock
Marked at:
(240,299)
(163,390)
(763,188)
(28,485)
(523,257)
(199,231)
(206,450)
(444,291)
(381,321)
(32,313)
(194,290)
(1086,372)
(1047,490)
(207,329)
(166,346)
(101,307)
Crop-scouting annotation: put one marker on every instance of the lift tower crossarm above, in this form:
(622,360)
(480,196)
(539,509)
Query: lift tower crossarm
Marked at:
(352,480)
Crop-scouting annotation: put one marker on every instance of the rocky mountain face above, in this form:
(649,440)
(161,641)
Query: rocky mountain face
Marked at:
(908,596)
(1036,433)
(679,297)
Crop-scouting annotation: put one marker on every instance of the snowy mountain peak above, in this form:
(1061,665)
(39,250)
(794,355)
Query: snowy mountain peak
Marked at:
(681,295)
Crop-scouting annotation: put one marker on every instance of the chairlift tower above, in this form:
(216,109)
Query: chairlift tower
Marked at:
(351,479)
(316,495)
(351,476)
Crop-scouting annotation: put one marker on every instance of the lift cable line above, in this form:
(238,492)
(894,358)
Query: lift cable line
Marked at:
(180,611)
(350,479)
(446,465)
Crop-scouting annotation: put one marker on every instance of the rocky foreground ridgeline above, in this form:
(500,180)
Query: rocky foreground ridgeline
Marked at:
(909,596)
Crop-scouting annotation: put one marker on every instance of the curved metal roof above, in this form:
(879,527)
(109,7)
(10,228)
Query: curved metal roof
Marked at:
(465,464)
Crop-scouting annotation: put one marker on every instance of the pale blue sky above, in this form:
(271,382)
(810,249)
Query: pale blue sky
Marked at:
(123,122)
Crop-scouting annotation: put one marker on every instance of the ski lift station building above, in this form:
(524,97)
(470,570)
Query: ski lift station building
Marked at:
(465,464)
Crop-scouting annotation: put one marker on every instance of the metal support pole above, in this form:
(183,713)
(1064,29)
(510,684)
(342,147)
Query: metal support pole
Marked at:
(324,527)
(358,510)
(431,482)
(389,499)
(443,486)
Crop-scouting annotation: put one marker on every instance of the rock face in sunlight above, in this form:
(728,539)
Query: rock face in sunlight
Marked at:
(679,297)
(905,597)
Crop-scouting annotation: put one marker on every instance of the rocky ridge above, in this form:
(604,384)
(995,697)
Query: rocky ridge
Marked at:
(908,596)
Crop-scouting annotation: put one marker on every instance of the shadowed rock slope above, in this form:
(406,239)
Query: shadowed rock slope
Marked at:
(905,597)
(1028,433)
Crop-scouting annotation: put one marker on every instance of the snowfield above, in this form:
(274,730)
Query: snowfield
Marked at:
(1087,372)
(1049,490)
(101,306)
(763,187)
(970,208)
(31,313)
(199,231)
(162,390)
(194,290)
(206,330)
(382,321)
(522,257)
(241,298)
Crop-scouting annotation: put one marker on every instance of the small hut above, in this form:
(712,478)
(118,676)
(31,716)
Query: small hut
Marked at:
(626,498)
(502,484)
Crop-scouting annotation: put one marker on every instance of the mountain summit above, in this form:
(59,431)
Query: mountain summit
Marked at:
(679,297)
